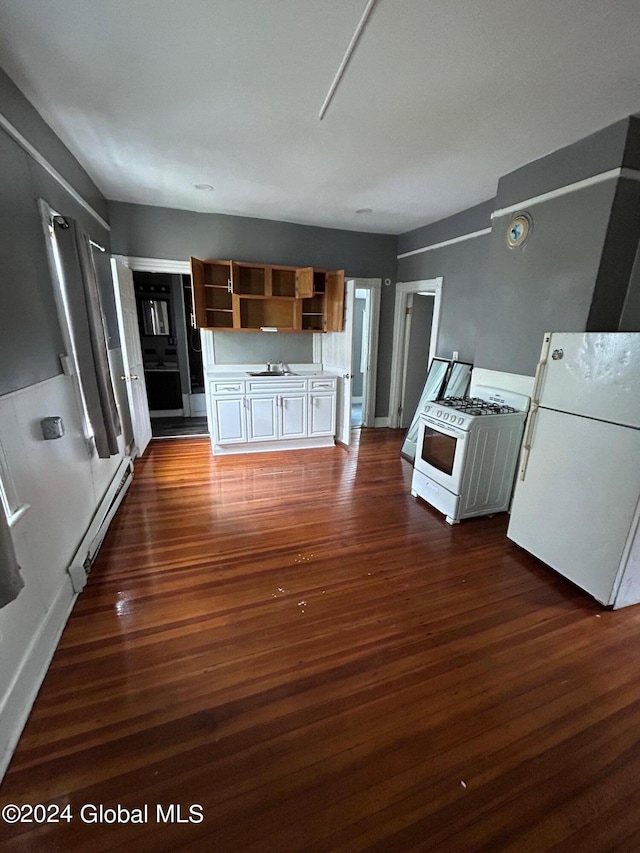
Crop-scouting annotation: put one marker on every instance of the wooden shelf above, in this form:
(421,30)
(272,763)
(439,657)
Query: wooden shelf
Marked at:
(219,318)
(283,282)
(276,313)
(243,296)
(250,280)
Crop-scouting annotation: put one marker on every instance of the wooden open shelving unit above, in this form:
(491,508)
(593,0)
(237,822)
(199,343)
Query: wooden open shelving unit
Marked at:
(242,296)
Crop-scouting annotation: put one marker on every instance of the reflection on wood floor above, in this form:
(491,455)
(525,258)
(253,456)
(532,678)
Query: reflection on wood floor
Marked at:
(294,643)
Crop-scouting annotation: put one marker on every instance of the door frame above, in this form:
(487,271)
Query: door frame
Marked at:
(398,357)
(170,267)
(369,380)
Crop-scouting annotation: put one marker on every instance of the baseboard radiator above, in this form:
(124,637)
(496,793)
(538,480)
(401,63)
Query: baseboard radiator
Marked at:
(84,557)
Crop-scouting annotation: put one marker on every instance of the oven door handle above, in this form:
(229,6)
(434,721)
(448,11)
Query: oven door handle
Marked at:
(436,426)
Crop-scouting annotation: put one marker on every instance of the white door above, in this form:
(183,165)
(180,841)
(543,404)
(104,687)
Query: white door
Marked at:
(131,354)
(337,358)
(575,505)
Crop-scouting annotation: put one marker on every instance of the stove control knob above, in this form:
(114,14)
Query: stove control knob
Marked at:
(460,420)
(438,414)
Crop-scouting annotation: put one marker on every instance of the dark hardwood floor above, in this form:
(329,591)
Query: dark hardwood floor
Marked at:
(294,643)
(179,427)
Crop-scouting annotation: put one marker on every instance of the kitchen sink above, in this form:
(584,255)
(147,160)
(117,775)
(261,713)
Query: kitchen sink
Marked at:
(272,373)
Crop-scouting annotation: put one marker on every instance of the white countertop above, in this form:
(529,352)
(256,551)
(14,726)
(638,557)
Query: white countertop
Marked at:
(246,374)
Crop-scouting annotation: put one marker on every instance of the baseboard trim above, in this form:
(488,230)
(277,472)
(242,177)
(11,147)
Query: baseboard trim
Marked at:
(82,561)
(19,698)
(382,422)
(273,446)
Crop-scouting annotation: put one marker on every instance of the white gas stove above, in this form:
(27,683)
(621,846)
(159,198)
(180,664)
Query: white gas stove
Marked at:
(467,451)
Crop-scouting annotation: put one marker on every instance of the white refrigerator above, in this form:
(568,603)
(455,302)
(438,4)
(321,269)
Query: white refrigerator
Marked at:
(576,503)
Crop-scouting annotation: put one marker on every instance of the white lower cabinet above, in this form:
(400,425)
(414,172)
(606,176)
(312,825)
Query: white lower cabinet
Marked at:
(262,422)
(292,410)
(269,415)
(229,423)
(322,413)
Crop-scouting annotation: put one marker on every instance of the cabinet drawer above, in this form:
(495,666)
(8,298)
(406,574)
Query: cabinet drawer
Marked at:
(275,386)
(229,387)
(322,384)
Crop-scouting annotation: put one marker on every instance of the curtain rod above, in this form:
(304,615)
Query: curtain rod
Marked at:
(62,223)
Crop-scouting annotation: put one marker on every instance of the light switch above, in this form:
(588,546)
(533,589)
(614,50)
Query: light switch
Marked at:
(52,428)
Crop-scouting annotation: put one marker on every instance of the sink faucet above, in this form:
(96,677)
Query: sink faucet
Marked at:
(275,367)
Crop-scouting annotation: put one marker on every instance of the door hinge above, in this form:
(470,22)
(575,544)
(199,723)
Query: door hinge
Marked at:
(399,410)
(408,311)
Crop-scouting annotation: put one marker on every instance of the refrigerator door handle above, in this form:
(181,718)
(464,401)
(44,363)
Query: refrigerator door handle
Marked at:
(526,442)
(535,403)
(539,376)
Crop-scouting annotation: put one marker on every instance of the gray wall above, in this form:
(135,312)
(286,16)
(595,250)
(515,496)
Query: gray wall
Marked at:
(463,267)
(19,111)
(30,338)
(578,270)
(466,222)
(260,347)
(608,148)
(156,232)
(615,282)
(548,284)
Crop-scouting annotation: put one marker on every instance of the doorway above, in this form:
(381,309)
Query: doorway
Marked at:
(415,335)
(360,353)
(340,355)
(172,355)
(364,348)
(419,321)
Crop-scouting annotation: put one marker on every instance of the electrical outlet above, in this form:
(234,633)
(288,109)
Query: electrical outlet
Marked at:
(455,355)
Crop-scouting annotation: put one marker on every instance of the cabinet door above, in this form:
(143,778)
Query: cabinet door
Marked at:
(304,283)
(198,293)
(334,302)
(293,415)
(211,285)
(322,413)
(262,422)
(228,420)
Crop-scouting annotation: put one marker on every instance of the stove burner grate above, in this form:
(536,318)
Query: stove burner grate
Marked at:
(475,406)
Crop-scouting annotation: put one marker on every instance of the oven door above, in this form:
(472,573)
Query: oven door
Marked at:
(440,453)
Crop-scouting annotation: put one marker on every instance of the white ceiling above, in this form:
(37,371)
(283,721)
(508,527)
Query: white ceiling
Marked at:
(440,99)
